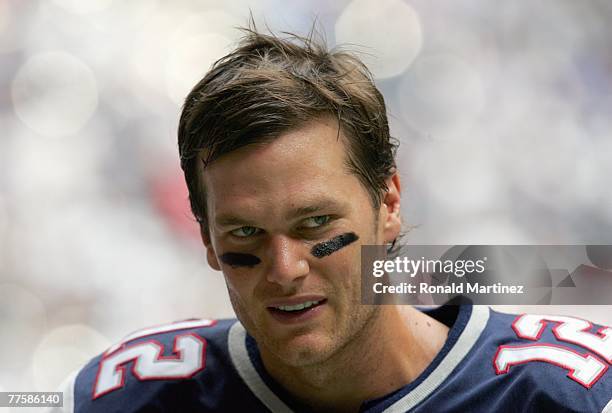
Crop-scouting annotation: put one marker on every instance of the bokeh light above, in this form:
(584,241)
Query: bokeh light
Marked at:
(198,42)
(62,351)
(190,60)
(388,48)
(441,95)
(54,93)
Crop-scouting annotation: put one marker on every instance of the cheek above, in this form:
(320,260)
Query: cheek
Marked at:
(239,287)
(241,298)
(342,271)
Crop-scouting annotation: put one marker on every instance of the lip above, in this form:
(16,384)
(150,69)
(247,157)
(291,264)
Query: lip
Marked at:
(300,316)
(293,300)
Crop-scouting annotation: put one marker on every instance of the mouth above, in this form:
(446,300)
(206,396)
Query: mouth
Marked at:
(297,312)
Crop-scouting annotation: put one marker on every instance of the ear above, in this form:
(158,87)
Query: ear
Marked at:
(211,257)
(390,209)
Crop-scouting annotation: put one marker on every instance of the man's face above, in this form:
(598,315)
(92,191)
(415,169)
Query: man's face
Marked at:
(272,209)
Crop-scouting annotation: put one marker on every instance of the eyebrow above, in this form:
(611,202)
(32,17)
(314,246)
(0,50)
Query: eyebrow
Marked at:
(318,206)
(230,220)
(226,220)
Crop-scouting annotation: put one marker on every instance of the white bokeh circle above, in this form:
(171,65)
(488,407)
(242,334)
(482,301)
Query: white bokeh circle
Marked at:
(196,44)
(441,95)
(189,61)
(54,93)
(62,351)
(389,29)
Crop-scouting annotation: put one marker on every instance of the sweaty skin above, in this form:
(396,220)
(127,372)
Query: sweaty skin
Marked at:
(239,259)
(323,249)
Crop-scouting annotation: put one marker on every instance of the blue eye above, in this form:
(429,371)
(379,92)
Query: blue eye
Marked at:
(244,232)
(315,222)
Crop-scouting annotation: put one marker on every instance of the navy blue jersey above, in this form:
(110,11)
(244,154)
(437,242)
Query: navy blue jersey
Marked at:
(490,362)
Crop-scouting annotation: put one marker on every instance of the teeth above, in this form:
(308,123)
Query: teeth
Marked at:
(297,307)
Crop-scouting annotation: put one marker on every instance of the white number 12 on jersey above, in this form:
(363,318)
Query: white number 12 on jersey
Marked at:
(188,357)
(585,369)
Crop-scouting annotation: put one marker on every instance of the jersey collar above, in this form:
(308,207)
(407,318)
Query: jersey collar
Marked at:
(465,331)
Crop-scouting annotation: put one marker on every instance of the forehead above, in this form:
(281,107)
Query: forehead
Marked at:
(301,166)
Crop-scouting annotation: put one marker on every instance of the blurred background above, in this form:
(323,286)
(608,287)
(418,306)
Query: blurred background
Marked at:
(502,108)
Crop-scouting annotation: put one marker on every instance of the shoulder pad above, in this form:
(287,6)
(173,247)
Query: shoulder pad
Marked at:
(144,368)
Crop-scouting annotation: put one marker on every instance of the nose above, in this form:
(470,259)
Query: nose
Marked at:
(288,263)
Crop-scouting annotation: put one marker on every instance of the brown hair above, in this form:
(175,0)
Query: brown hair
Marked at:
(269,85)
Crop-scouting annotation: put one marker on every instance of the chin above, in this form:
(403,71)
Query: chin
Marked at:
(303,357)
(299,351)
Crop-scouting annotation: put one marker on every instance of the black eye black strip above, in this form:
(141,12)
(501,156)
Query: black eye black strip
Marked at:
(238,259)
(323,249)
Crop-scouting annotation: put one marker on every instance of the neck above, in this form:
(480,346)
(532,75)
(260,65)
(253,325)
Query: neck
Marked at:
(393,349)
